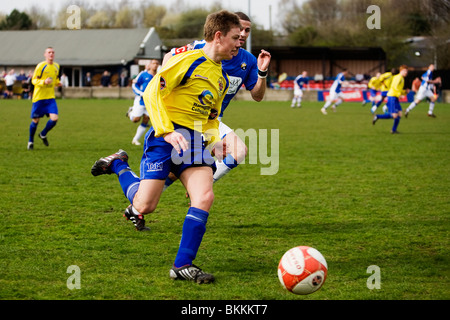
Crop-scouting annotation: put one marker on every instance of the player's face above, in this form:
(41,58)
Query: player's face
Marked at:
(153,65)
(231,43)
(245,31)
(49,54)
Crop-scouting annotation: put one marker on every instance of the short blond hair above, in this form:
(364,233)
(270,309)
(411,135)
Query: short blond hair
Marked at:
(222,21)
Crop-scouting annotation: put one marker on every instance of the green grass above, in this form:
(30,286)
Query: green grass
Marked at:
(355,192)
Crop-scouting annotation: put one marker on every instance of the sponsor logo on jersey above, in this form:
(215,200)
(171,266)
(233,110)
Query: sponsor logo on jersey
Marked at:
(206,97)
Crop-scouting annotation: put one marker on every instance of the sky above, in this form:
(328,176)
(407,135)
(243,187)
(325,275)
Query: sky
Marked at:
(262,12)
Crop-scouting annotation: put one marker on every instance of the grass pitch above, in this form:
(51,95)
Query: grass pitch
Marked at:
(358,194)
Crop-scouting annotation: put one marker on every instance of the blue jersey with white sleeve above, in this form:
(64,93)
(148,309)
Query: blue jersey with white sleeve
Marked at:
(301,81)
(427,76)
(141,83)
(336,86)
(242,69)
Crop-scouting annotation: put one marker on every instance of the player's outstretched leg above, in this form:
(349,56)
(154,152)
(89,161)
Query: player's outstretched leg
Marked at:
(103,165)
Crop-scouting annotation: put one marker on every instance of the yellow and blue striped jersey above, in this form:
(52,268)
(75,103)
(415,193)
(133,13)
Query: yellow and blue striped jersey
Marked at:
(397,84)
(386,79)
(43,71)
(188,91)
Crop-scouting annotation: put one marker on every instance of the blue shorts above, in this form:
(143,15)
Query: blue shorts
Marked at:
(160,158)
(393,105)
(373,92)
(43,107)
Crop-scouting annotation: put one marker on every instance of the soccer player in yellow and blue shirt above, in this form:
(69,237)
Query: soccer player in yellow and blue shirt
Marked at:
(374,86)
(184,101)
(395,91)
(385,80)
(45,79)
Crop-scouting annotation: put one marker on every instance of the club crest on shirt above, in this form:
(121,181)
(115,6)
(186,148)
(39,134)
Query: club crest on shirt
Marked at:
(221,85)
(243,66)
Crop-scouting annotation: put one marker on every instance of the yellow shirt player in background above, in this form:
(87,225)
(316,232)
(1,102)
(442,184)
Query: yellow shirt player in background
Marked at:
(374,86)
(385,81)
(45,78)
(395,91)
(183,100)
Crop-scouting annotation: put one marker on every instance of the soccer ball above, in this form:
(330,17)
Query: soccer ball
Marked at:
(302,270)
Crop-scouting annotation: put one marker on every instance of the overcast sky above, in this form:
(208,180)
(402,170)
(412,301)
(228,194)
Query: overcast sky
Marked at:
(259,9)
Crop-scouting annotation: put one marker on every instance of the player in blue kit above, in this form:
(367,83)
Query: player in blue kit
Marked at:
(243,69)
(335,97)
(300,81)
(138,111)
(425,91)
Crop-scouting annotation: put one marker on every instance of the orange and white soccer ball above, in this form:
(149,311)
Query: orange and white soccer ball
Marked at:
(302,270)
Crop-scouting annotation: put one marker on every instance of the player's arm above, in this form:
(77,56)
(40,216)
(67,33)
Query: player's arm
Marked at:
(259,89)
(161,85)
(136,85)
(36,79)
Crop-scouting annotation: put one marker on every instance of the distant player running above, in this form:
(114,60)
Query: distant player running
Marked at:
(374,86)
(300,81)
(138,111)
(45,79)
(426,90)
(335,98)
(393,103)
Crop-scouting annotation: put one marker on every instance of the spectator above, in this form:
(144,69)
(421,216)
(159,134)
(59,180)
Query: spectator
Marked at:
(123,80)
(10,78)
(88,80)
(26,85)
(64,80)
(106,79)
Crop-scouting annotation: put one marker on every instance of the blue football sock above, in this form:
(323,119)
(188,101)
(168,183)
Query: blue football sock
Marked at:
(33,127)
(230,162)
(128,180)
(194,228)
(49,126)
(396,122)
(168,182)
(384,116)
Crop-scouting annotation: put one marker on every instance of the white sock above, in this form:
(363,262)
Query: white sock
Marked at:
(140,132)
(431,109)
(222,169)
(411,106)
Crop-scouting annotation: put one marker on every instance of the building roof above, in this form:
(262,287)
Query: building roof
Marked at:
(85,47)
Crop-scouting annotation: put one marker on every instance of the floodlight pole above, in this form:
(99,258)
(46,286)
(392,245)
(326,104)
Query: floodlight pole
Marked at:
(249,39)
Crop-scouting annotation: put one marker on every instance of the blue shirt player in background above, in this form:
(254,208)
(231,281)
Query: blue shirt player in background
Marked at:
(242,69)
(299,82)
(335,96)
(138,110)
(425,91)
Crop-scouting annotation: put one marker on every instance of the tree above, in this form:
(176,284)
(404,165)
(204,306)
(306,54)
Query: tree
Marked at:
(16,20)
(153,15)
